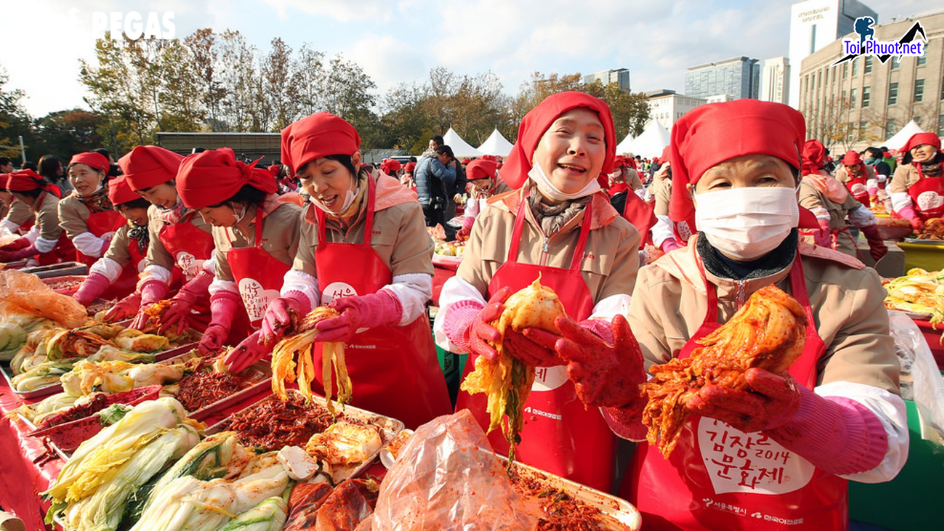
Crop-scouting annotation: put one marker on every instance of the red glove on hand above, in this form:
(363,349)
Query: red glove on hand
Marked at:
(365,311)
(604,374)
(277,317)
(91,288)
(824,236)
(124,309)
(105,246)
(13,256)
(670,245)
(877,247)
(463,233)
(181,303)
(773,402)
(223,308)
(16,245)
(247,352)
(152,291)
(909,213)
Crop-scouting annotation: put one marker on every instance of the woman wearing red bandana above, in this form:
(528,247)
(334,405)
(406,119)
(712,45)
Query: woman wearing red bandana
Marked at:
(831,202)
(86,214)
(364,251)
(857,176)
(254,234)
(482,175)
(917,189)
(558,225)
(124,259)
(777,455)
(45,240)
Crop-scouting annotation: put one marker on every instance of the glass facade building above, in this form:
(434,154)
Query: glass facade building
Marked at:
(736,78)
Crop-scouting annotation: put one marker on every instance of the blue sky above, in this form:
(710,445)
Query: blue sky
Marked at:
(400,41)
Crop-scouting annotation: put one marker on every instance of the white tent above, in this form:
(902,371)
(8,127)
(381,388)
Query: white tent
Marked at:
(459,147)
(496,145)
(650,143)
(898,141)
(623,147)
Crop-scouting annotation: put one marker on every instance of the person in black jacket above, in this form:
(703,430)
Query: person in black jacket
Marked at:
(433,175)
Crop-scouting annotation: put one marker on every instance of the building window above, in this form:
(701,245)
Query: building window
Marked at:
(919,90)
(868,65)
(866,96)
(845,70)
(922,59)
(863,127)
(852,98)
(896,62)
(940,125)
(892,93)
(890,128)
(855,67)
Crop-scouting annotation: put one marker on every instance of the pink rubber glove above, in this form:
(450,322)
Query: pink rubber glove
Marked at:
(824,236)
(152,291)
(91,288)
(877,247)
(105,246)
(249,351)
(467,324)
(912,216)
(278,317)
(124,309)
(16,245)
(605,373)
(223,308)
(463,233)
(773,402)
(670,245)
(13,256)
(364,311)
(181,303)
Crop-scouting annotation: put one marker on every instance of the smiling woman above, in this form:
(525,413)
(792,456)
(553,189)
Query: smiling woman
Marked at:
(86,214)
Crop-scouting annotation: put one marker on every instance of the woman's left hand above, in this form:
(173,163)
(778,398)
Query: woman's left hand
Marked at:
(773,402)
(364,311)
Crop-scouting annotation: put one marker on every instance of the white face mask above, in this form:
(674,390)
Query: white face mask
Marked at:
(348,200)
(747,223)
(551,192)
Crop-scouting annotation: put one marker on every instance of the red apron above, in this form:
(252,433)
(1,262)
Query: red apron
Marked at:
(258,275)
(721,478)
(560,434)
(927,195)
(641,215)
(393,369)
(859,189)
(64,251)
(100,224)
(190,247)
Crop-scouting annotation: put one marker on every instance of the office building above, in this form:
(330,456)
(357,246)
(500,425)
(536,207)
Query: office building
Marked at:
(737,78)
(620,75)
(814,24)
(775,80)
(864,101)
(666,107)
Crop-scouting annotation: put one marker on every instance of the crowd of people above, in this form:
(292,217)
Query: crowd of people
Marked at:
(739,200)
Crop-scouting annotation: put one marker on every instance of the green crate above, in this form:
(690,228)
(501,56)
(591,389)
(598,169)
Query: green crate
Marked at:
(913,499)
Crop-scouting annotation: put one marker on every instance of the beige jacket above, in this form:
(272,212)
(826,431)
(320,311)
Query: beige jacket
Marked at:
(17,212)
(118,248)
(905,176)
(73,215)
(610,260)
(399,233)
(662,191)
(158,254)
(47,217)
(280,230)
(843,176)
(669,305)
(632,179)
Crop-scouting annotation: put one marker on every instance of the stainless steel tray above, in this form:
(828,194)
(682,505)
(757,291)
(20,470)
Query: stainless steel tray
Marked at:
(923,242)
(389,427)
(57,270)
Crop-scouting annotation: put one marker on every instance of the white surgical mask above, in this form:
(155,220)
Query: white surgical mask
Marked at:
(551,192)
(348,200)
(749,222)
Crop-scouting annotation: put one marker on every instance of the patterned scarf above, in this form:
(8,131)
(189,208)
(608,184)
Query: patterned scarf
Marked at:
(97,202)
(140,234)
(172,216)
(553,217)
(933,168)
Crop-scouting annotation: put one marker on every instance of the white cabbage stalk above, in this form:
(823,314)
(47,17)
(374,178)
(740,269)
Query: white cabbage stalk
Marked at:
(270,515)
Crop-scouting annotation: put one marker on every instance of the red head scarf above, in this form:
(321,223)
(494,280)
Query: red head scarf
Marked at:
(536,122)
(666,156)
(481,169)
(410,166)
(851,158)
(919,139)
(618,162)
(149,166)
(489,157)
(96,161)
(316,136)
(390,166)
(214,176)
(711,134)
(27,180)
(119,191)
(814,155)
(275,169)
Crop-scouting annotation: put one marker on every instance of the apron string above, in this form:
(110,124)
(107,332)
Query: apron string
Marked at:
(519,226)
(584,235)
(516,233)
(258,241)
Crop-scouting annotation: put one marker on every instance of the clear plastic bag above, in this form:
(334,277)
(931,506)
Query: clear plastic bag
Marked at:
(922,382)
(447,478)
(26,294)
